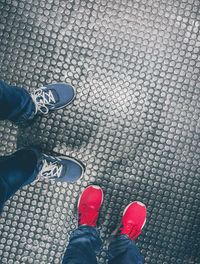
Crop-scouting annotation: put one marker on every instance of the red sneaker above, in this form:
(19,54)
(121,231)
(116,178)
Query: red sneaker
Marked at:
(89,205)
(133,220)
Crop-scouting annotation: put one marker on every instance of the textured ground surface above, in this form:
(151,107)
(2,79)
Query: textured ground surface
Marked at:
(135,122)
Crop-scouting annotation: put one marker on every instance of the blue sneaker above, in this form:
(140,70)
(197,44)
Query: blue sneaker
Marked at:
(60,169)
(52,97)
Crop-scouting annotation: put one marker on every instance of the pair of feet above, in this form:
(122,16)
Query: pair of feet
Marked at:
(89,204)
(56,96)
(61,168)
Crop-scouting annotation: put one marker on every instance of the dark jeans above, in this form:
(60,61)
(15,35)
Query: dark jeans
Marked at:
(16,103)
(85,243)
(15,170)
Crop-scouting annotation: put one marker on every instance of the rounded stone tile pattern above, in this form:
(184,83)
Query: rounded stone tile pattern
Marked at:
(134,124)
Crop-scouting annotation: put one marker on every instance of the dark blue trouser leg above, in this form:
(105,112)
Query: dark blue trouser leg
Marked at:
(83,246)
(16,103)
(16,171)
(122,250)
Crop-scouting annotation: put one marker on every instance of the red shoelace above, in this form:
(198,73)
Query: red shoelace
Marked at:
(130,230)
(87,216)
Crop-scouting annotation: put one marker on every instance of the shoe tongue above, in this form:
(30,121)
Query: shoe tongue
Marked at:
(41,164)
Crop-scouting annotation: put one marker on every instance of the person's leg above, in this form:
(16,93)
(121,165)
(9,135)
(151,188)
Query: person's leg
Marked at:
(83,246)
(84,242)
(15,103)
(28,165)
(19,106)
(122,248)
(16,171)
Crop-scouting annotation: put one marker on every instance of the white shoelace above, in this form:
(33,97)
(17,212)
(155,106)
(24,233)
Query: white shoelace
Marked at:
(42,99)
(50,170)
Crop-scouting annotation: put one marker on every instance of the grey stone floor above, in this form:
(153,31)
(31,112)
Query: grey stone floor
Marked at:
(135,122)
